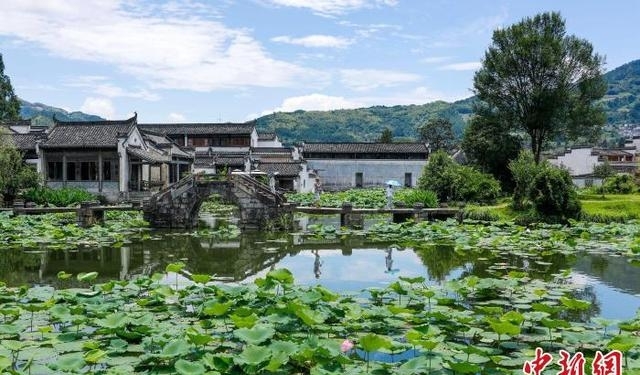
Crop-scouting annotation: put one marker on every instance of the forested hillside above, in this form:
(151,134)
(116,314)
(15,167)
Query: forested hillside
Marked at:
(622,101)
(363,124)
(43,114)
(622,106)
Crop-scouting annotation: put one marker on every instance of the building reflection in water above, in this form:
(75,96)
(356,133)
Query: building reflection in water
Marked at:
(345,263)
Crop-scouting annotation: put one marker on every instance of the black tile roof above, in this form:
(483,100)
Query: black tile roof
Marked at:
(283,169)
(20,122)
(26,142)
(201,128)
(87,134)
(271,150)
(150,156)
(266,136)
(220,162)
(360,147)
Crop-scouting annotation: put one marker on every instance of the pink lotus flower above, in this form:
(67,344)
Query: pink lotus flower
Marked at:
(346,346)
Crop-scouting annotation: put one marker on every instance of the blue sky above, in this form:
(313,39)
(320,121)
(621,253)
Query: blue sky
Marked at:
(227,60)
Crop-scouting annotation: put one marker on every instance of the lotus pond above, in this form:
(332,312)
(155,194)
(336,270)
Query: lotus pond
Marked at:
(436,298)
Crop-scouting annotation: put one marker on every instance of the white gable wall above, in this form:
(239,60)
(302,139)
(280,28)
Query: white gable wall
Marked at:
(578,161)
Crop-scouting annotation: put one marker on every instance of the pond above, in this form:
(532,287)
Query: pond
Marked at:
(343,263)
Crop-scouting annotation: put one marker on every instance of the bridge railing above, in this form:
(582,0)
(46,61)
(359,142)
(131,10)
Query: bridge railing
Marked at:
(176,188)
(258,187)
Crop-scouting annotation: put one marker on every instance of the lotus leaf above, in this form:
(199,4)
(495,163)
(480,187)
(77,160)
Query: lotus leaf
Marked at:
(253,355)
(72,362)
(255,335)
(372,342)
(114,321)
(175,348)
(175,267)
(87,276)
(189,368)
(623,343)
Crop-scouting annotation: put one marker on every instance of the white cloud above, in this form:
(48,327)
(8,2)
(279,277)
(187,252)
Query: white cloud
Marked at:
(472,65)
(162,49)
(435,59)
(369,30)
(315,41)
(102,107)
(478,28)
(333,7)
(176,117)
(368,79)
(98,85)
(315,102)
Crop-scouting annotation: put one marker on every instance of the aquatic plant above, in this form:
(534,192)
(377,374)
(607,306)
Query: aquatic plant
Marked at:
(472,325)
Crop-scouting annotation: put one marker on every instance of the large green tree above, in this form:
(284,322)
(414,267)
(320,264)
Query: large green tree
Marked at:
(543,82)
(489,145)
(9,104)
(14,174)
(438,132)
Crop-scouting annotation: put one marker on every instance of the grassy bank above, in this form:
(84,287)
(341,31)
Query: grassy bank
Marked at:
(610,208)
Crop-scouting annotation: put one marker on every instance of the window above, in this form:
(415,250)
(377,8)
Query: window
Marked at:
(106,170)
(240,141)
(54,170)
(198,142)
(88,171)
(359,179)
(407,179)
(71,171)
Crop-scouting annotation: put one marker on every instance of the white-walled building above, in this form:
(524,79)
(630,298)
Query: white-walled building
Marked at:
(347,165)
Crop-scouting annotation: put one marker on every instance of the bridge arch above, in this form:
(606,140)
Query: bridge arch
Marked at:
(178,205)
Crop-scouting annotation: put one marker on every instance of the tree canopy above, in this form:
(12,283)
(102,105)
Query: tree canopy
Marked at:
(386,136)
(539,80)
(489,145)
(438,132)
(9,104)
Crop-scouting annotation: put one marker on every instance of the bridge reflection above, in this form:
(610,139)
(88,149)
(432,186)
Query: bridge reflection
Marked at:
(338,261)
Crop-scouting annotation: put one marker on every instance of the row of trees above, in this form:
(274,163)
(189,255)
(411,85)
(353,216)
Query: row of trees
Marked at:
(536,85)
(14,174)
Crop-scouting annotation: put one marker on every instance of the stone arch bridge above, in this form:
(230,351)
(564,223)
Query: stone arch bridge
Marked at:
(178,205)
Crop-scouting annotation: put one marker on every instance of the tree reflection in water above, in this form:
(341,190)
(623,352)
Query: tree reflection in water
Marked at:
(250,255)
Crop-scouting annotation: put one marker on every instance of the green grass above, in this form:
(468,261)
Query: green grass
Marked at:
(611,208)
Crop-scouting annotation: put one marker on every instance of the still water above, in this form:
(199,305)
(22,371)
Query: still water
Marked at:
(342,265)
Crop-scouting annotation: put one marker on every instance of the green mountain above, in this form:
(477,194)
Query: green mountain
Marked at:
(363,124)
(41,114)
(622,106)
(622,101)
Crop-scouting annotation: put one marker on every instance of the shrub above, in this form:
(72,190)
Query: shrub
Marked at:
(475,186)
(622,183)
(409,197)
(523,169)
(15,175)
(57,197)
(453,182)
(553,195)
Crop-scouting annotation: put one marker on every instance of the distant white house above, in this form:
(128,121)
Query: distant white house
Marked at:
(581,162)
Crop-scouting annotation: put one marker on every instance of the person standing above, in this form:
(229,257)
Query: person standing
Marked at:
(316,191)
(389,194)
